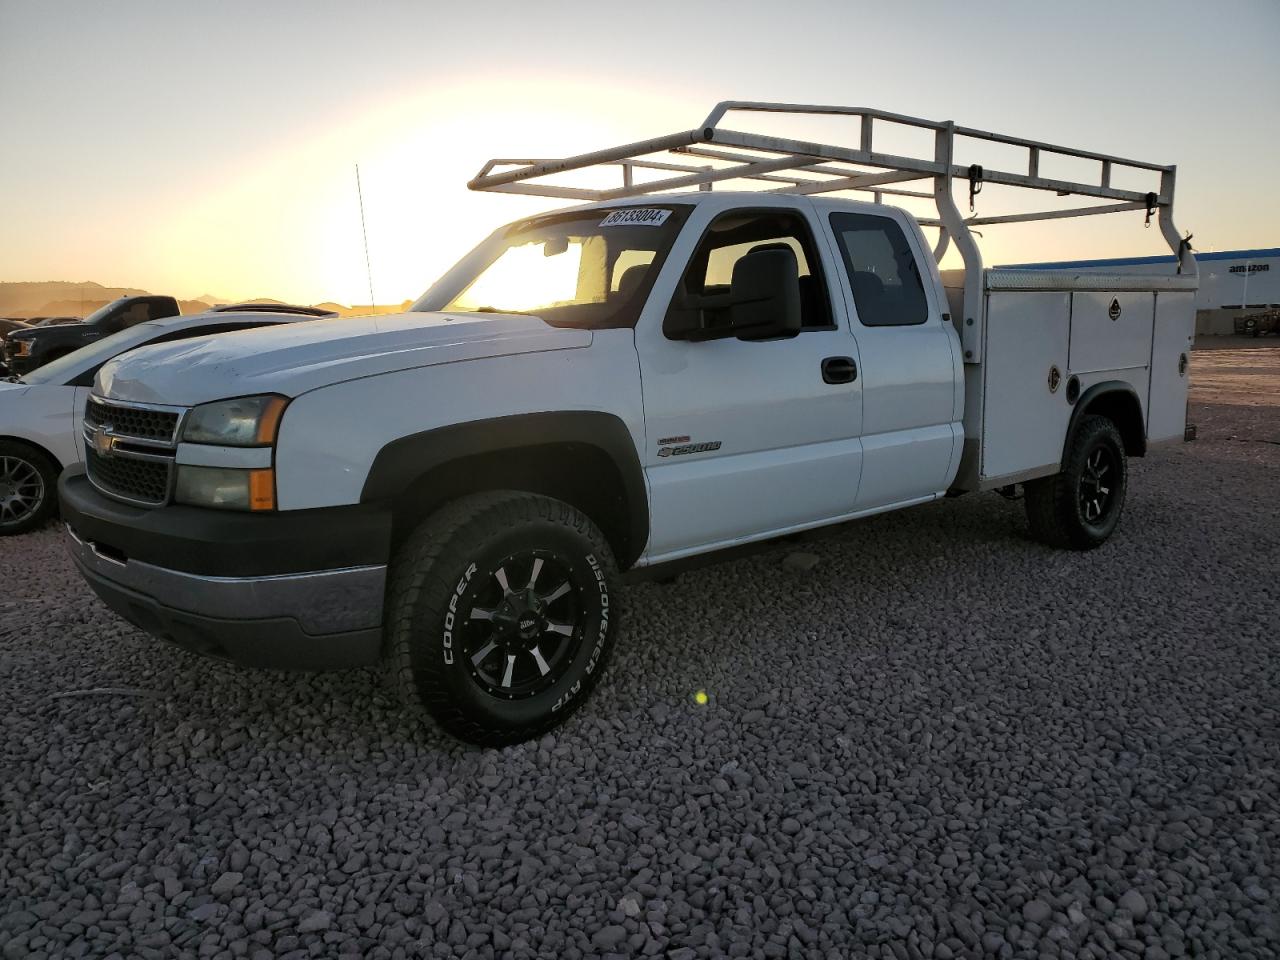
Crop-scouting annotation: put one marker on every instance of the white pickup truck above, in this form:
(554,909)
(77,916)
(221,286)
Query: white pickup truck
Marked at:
(627,383)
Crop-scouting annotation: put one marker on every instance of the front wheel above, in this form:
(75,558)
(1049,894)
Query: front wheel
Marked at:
(28,488)
(1080,507)
(501,615)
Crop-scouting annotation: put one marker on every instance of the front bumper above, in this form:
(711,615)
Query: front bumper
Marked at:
(233,597)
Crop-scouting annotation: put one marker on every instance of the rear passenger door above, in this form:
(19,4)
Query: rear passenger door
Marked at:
(745,437)
(909,360)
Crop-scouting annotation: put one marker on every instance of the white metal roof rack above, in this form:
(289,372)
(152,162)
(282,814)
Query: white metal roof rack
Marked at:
(804,167)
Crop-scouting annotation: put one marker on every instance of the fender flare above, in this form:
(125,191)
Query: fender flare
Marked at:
(405,460)
(1101,389)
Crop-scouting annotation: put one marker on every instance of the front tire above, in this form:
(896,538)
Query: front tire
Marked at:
(1080,507)
(502,615)
(28,488)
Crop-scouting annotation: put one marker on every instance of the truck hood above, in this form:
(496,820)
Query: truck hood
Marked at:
(294,358)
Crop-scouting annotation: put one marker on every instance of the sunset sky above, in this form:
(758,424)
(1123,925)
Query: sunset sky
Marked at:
(195,148)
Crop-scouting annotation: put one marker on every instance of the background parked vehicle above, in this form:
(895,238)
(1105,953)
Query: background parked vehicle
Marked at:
(289,308)
(7,326)
(1256,324)
(52,338)
(41,413)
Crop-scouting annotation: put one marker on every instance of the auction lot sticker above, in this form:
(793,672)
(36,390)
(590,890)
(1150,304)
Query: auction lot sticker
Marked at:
(636,216)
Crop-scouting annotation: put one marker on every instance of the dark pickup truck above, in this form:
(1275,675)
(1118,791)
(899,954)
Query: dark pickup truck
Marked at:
(24,350)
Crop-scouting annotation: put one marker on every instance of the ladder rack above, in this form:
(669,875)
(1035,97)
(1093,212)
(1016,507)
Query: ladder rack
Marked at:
(803,167)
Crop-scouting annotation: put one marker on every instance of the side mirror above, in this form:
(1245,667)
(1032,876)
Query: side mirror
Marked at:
(765,294)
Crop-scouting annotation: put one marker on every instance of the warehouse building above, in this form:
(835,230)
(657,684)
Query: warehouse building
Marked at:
(1233,283)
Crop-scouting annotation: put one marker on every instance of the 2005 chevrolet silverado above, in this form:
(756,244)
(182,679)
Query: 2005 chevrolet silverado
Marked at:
(640,379)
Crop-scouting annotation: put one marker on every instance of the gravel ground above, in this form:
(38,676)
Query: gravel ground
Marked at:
(926,736)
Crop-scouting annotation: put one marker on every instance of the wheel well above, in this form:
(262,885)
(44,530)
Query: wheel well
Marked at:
(22,441)
(1121,407)
(577,473)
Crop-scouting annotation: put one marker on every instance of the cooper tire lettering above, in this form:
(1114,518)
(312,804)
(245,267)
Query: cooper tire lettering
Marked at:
(449,617)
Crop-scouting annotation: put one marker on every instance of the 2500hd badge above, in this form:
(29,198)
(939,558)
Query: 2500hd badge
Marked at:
(687,448)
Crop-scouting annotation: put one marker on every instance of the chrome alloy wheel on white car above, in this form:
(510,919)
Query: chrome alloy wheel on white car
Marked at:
(23,493)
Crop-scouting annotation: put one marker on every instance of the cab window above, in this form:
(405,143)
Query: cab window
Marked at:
(882,270)
(733,235)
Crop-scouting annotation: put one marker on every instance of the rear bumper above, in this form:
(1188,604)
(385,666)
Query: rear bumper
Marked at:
(297,619)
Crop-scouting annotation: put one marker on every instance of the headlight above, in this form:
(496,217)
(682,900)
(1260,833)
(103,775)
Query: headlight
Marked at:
(20,348)
(225,488)
(243,422)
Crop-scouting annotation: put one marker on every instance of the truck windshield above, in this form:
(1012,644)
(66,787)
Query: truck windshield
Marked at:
(102,311)
(591,268)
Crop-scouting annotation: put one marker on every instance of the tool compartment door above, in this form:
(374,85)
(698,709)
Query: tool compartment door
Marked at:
(1175,317)
(1110,331)
(1026,411)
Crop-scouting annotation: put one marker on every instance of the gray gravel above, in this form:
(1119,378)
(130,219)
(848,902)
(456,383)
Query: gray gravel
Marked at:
(938,739)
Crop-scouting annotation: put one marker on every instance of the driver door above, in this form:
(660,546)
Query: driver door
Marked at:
(746,438)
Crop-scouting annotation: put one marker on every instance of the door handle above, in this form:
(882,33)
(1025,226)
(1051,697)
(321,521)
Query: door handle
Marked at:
(839,370)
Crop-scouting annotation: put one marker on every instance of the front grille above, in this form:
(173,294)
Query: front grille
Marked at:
(138,422)
(146,481)
(130,449)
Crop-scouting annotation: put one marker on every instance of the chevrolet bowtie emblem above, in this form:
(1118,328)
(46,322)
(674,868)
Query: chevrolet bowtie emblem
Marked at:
(103,441)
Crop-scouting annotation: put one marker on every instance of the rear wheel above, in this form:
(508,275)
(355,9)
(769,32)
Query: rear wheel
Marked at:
(28,488)
(1080,507)
(501,615)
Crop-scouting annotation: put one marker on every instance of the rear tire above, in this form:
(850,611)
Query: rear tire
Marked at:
(28,488)
(501,615)
(1080,507)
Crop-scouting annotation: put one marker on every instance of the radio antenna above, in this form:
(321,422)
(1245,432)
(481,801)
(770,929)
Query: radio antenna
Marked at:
(365,233)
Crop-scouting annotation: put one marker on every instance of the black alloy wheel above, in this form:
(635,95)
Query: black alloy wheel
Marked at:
(523,625)
(1095,489)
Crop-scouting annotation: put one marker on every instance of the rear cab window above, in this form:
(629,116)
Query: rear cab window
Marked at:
(882,270)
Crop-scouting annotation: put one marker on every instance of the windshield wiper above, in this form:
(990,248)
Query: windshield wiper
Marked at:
(14,379)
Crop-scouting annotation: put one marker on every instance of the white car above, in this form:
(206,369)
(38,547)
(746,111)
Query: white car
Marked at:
(41,413)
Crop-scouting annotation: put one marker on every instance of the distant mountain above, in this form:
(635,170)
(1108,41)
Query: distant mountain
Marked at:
(64,298)
(72,308)
(25,299)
